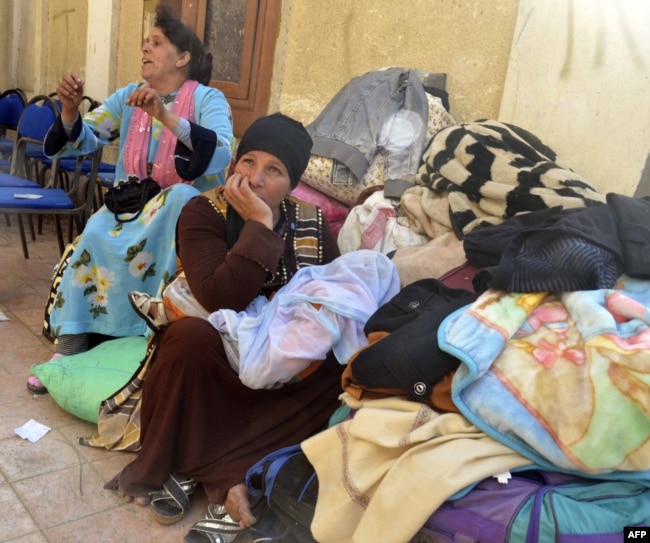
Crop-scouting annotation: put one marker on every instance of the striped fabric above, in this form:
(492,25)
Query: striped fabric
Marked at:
(118,427)
(308,241)
(491,171)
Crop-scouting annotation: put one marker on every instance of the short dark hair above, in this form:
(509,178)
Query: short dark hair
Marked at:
(184,38)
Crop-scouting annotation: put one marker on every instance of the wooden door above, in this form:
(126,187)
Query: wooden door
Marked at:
(241,36)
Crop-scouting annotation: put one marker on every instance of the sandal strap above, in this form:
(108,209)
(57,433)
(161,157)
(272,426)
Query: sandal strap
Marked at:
(161,316)
(216,531)
(143,306)
(222,526)
(216,511)
(176,489)
(228,530)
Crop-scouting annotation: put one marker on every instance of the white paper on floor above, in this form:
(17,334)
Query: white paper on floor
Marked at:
(32,430)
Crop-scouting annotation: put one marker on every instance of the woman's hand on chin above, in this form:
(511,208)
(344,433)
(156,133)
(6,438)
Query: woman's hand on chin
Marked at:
(249,205)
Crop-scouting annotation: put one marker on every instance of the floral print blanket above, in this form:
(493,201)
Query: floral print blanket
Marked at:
(562,378)
(112,258)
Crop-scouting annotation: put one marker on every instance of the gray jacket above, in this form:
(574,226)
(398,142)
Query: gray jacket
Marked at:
(381,111)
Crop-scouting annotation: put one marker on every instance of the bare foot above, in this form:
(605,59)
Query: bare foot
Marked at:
(138,500)
(239,507)
(114,484)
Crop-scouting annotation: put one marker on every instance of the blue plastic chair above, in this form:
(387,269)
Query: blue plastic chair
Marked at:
(67,165)
(5,165)
(35,120)
(12,104)
(74,201)
(21,194)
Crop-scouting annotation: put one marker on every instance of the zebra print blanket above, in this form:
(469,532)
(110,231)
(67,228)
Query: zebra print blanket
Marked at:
(490,171)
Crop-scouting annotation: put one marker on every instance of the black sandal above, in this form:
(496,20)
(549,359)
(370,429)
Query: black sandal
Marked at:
(172,503)
(35,385)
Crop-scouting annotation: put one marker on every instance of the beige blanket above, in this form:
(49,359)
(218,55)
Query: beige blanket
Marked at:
(433,259)
(385,471)
(427,214)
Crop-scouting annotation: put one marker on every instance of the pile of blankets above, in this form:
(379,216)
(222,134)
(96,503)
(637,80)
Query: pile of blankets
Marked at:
(553,352)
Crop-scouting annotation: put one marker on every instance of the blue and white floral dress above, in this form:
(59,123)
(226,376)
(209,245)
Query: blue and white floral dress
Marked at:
(112,258)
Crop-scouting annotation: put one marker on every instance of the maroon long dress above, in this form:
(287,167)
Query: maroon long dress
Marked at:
(197,418)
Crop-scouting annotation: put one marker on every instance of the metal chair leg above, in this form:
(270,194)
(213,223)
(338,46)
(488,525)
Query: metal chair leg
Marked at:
(59,233)
(31,227)
(23,238)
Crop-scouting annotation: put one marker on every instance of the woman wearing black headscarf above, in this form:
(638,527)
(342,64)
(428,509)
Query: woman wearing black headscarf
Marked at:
(199,423)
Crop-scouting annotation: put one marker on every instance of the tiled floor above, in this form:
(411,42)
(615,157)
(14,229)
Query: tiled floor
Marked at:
(51,490)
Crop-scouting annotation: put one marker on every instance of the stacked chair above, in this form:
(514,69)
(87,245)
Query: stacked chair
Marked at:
(70,166)
(12,103)
(33,189)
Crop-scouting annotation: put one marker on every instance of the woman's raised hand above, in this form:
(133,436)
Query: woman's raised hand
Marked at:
(148,99)
(241,197)
(70,92)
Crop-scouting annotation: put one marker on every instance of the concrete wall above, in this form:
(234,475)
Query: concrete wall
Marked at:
(317,55)
(576,73)
(24,45)
(586,93)
(329,43)
(6,68)
(64,34)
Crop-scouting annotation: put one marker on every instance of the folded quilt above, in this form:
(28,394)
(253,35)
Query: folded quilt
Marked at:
(491,171)
(564,379)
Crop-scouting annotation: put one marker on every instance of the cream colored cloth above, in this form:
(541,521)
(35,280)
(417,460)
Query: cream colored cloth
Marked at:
(433,259)
(427,214)
(385,471)
(426,211)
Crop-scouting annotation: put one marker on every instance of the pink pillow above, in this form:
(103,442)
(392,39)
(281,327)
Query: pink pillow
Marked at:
(335,212)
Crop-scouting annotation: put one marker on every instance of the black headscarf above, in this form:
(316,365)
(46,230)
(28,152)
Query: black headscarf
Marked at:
(284,138)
